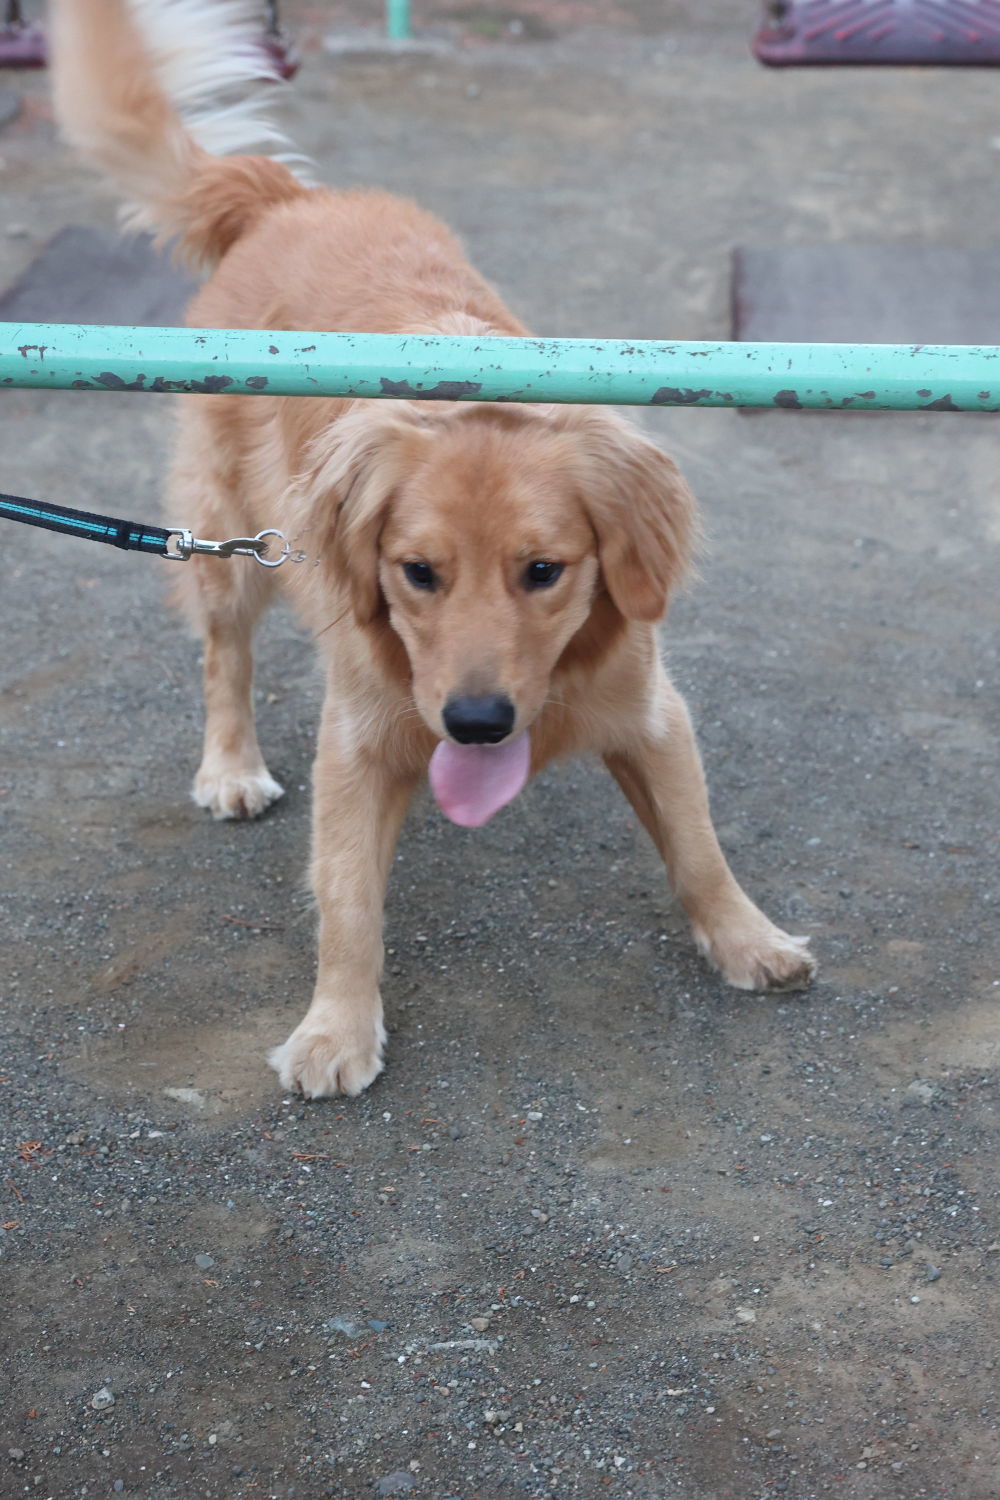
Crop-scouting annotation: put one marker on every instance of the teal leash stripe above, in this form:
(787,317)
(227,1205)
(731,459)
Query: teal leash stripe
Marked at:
(129,536)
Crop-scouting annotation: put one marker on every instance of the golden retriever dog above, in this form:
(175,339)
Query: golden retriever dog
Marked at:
(484,581)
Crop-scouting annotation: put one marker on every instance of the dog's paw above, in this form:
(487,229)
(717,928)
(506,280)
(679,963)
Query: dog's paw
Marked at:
(319,1061)
(236,794)
(759,956)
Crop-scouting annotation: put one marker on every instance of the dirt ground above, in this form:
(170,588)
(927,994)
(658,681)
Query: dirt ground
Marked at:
(603,1227)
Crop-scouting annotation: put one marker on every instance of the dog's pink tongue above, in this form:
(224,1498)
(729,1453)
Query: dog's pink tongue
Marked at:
(472,782)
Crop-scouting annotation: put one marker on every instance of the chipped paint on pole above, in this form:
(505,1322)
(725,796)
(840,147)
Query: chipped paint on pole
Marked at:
(837,377)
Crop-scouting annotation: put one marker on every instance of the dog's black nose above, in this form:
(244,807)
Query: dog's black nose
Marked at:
(479,721)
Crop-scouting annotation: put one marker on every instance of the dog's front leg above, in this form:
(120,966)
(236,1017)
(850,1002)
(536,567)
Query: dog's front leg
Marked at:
(663,779)
(360,800)
(226,601)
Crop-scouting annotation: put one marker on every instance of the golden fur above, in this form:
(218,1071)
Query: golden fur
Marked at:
(476,492)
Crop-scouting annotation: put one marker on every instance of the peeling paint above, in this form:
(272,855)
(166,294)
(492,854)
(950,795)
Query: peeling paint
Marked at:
(672,395)
(109,381)
(112,382)
(210,386)
(445,390)
(787,399)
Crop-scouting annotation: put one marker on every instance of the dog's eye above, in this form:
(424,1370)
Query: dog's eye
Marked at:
(540,575)
(420,574)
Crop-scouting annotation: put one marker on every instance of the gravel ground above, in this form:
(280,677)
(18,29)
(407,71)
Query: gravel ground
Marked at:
(603,1226)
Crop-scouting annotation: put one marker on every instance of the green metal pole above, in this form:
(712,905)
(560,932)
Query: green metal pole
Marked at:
(397,20)
(842,377)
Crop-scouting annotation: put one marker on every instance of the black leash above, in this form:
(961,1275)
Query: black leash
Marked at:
(129,535)
(175,543)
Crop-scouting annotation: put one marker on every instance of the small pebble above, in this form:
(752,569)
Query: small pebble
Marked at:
(399,1483)
(922,1091)
(933,1272)
(101,1399)
(343,1325)
(204,1261)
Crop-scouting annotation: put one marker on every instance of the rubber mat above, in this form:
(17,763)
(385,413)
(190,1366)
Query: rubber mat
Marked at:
(89,275)
(956,33)
(877,294)
(22,46)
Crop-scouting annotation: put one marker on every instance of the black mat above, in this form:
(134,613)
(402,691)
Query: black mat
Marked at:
(875,294)
(97,276)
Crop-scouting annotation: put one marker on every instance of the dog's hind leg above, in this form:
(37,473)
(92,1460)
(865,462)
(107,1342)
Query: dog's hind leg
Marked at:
(663,779)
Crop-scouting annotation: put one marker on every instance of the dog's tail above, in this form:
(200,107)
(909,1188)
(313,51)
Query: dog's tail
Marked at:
(151,92)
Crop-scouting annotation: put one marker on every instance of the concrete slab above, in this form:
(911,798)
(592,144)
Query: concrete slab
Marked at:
(878,294)
(10,104)
(96,275)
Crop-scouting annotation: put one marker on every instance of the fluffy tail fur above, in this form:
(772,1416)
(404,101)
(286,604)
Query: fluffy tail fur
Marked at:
(149,92)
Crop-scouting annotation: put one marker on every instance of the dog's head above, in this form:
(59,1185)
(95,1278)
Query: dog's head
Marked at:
(484,537)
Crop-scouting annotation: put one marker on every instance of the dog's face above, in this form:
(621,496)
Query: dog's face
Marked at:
(484,537)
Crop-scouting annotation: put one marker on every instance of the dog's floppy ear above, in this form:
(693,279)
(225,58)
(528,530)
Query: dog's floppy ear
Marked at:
(344,498)
(642,512)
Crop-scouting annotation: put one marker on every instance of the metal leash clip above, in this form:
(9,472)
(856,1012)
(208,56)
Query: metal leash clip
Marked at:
(187,544)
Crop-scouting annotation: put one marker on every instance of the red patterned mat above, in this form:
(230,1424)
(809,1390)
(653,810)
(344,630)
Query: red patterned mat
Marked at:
(956,33)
